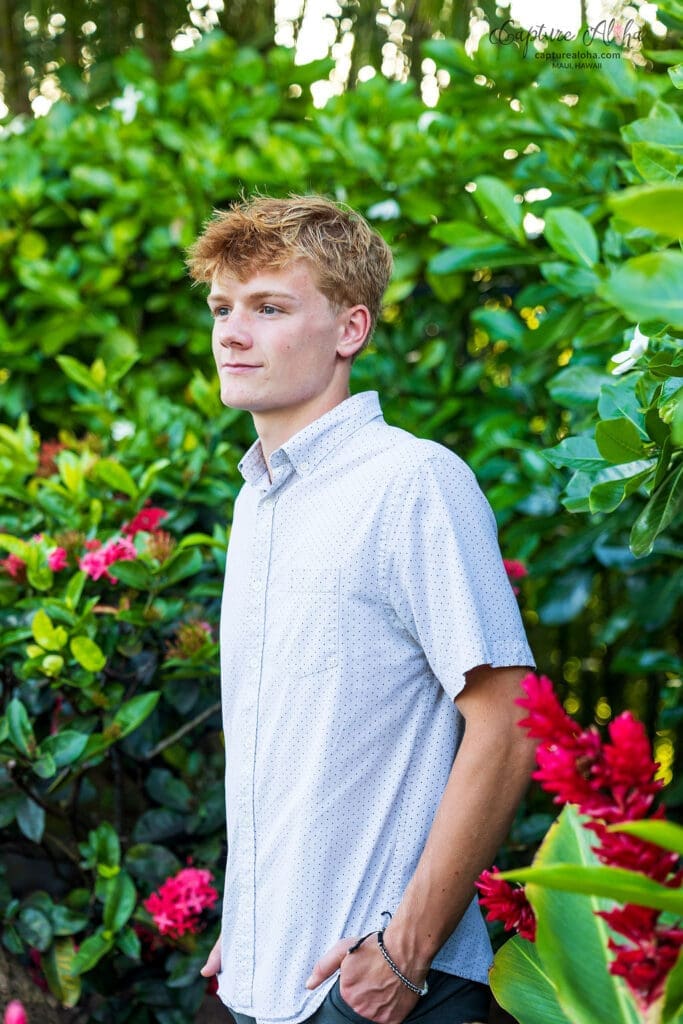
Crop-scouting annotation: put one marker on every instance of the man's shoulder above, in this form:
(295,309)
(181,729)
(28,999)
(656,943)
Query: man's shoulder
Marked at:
(401,456)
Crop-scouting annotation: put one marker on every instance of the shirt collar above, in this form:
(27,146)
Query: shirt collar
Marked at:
(309,446)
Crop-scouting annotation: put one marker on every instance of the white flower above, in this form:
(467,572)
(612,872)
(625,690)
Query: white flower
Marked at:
(128,103)
(628,358)
(386,210)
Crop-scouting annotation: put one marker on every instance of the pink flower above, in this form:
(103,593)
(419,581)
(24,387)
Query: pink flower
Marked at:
(176,906)
(57,559)
(147,519)
(14,566)
(547,720)
(15,1013)
(506,903)
(96,563)
(516,570)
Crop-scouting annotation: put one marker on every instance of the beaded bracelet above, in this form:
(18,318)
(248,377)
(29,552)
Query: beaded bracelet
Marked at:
(409,984)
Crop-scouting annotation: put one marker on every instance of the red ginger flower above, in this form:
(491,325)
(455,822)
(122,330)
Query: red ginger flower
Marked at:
(178,903)
(506,903)
(146,519)
(651,954)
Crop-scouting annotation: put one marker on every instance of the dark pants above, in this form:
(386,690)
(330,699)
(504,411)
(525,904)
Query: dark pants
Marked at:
(450,1000)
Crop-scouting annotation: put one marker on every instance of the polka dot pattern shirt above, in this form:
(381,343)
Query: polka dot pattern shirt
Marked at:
(361,584)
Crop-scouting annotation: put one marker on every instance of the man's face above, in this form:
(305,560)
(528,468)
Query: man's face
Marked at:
(275,339)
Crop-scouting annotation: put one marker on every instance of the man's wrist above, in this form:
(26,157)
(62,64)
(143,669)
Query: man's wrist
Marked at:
(409,952)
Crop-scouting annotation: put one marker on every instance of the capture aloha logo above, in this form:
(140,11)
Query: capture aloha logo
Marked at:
(625,36)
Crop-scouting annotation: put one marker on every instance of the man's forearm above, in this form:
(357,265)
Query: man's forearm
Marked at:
(487,781)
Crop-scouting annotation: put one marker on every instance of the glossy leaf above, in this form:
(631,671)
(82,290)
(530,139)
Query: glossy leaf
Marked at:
(496,200)
(662,833)
(656,207)
(571,235)
(648,287)
(663,507)
(57,965)
(618,440)
(522,986)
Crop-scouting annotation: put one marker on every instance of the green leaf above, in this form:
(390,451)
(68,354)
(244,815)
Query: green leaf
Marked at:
(65,747)
(522,986)
(78,373)
(87,653)
(571,235)
(58,967)
(129,944)
(661,510)
(181,564)
(44,633)
(648,287)
(133,574)
(103,849)
(469,247)
(15,546)
(20,728)
(577,453)
(658,208)
(151,863)
(618,440)
(91,952)
(655,162)
(672,1010)
(35,928)
(611,883)
(662,833)
(74,589)
(116,476)
(607,495)
(496,200)
(676,75)
(120,902)
(66,921)
(578,964)
(44,766)
(135,711)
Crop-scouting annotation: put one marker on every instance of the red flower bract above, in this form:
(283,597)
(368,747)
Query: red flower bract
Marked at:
(506,903)
(176,906)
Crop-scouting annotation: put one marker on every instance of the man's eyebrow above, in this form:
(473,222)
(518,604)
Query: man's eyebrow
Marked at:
(254,296)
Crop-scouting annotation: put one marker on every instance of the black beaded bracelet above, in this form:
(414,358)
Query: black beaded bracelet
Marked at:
(409,984)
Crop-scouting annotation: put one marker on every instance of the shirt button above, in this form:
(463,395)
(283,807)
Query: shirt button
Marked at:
(304,467)
(253,663)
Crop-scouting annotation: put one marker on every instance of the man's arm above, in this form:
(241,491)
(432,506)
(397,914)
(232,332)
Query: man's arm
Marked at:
(488,778)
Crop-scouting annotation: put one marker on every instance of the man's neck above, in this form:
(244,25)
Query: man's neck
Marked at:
(276,427)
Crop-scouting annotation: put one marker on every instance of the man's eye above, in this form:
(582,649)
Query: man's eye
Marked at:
(269,310)
(221,311)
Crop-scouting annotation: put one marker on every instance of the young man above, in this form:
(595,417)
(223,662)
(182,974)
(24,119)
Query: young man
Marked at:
(368,634)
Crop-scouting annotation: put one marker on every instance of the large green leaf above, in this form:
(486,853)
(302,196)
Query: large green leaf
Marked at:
(91,952)
(576,453)
(521,984)
(662,833)
(571,940)
(20,728)
(611,883)
(672,1010)
(656,207)
(120,902)
(648,287)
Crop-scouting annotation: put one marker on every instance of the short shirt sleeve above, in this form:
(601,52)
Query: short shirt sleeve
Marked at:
(446,580)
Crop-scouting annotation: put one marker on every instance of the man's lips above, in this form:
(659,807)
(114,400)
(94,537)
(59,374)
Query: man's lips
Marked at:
(240,367)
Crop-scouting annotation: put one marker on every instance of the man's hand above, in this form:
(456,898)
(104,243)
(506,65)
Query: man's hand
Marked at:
(366,982)
(213,963)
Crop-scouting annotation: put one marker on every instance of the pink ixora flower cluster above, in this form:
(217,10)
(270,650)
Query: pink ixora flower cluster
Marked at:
(15,566)
(100,556)
(609,781)
(176,906)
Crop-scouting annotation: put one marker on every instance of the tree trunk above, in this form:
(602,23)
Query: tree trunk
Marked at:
(12,59)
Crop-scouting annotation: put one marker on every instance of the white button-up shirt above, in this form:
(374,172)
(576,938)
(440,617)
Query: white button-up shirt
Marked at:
(361,584)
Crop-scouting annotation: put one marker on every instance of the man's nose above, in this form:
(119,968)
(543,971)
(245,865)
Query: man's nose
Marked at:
(234,330)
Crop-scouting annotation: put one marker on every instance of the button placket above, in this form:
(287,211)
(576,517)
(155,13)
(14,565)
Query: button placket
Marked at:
(255,606)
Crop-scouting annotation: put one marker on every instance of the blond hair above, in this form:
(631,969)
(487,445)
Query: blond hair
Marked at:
(352,263)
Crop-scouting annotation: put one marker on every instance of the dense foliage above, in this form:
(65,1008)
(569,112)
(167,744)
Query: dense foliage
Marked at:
(534,215)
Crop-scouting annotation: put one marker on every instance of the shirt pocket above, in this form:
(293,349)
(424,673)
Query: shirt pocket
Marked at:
(303,622)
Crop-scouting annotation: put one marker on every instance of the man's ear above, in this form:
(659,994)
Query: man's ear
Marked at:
(355,328)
